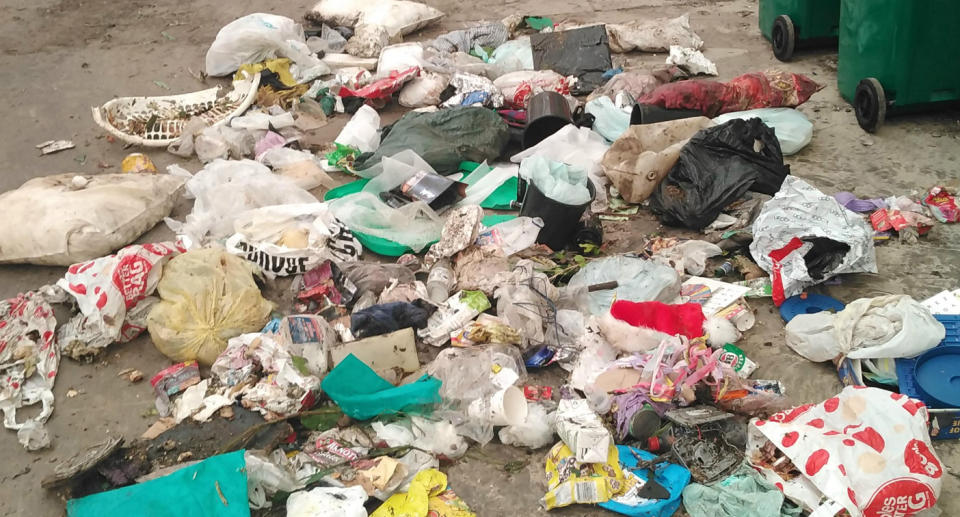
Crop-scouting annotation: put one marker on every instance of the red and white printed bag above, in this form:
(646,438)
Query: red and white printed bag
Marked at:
(866,450)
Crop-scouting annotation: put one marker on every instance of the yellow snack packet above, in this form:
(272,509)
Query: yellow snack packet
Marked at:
(570,482)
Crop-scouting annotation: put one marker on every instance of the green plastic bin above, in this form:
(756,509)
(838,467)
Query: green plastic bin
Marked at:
(898,56)
(791,24)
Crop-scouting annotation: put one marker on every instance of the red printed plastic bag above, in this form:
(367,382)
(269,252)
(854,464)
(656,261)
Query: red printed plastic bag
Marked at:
(867,450)
(111,293)
(380,91)
(29,359)
(770,89)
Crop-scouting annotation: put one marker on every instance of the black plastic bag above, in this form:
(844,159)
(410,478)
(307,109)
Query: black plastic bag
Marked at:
(716,167)
(389,317)
(443,138)
(583,52)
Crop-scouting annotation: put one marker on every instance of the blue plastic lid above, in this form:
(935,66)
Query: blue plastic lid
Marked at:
(937,375)
(808,304)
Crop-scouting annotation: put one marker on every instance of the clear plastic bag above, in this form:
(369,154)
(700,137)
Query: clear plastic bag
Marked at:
(512,56)
(611,121)
(558,181)
(223,189)
(414,225)
(639,280)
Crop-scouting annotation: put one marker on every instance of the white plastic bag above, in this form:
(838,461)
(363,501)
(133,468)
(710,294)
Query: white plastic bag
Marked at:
(291,239)
(399,17)
(800,211)
(653,35)
(225,188)
(415,225)
(869,328)
(342,502)
(691,61)
(300,167)
(362,131)
(65,219)
(512,56)
(255,38)
(424,90)
(867,450)
(794,130)
(400,57)
(518,87)
(535,432)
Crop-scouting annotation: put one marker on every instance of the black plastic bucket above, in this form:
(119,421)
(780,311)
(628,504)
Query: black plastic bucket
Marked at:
(650,114)
(560,220)
(547,113)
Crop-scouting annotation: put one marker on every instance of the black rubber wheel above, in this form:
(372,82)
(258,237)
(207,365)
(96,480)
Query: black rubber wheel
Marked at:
(870,103)
(784,38)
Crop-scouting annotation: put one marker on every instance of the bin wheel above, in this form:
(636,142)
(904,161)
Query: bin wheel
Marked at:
(870,104)
(784,38)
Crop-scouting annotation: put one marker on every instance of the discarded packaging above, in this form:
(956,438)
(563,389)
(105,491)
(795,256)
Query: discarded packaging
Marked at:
(770,89)
(580,428)
(570,481)
(113,295)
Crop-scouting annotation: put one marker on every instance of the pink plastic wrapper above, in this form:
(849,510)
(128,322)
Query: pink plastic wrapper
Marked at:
(867,450)
(111,293)
(770,89)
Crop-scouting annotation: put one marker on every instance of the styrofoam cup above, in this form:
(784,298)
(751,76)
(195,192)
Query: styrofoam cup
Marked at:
(505,407)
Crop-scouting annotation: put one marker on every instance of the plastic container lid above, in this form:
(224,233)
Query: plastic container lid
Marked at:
(937,375)
(808,304)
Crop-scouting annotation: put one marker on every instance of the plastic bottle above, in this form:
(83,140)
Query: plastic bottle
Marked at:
(440,281)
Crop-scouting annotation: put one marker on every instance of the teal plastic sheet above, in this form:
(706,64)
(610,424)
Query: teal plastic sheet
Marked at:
(362,394)
(188,492)
(743,494)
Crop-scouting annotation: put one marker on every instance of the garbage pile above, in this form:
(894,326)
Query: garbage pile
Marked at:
(382,327)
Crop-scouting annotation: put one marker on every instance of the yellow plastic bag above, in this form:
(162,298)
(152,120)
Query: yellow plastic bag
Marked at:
(570,482)
(428,495)
(207,297)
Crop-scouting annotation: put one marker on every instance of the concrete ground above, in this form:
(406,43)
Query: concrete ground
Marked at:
(61,57)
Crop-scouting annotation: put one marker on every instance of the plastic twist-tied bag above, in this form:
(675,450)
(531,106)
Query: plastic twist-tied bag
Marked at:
(207,297)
